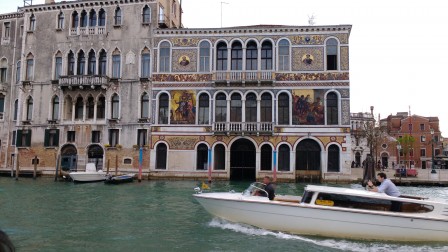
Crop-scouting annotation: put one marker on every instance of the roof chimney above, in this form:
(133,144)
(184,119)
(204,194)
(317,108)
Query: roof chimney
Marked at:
(49,1)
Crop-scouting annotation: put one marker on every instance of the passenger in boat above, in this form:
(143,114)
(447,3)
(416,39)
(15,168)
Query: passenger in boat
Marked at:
(387,187)
(269,188)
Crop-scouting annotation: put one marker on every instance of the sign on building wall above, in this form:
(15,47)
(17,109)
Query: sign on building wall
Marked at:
(308,107)
(183,107)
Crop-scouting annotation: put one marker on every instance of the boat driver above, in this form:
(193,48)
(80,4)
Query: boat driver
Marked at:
(387,186)
(269,188)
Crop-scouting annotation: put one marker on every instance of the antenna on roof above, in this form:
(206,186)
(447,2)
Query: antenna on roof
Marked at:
(27,3)
(311,20)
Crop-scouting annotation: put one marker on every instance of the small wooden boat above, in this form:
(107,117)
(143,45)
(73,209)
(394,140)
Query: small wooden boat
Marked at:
(126,178)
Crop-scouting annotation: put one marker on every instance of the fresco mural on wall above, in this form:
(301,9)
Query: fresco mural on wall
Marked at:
(308,107)
(183,107)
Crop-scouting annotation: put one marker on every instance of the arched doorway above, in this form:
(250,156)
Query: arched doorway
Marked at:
(308,156)
(242,160)
(358,159)
(384,160)
(95,154)
(69,158)
(333,164)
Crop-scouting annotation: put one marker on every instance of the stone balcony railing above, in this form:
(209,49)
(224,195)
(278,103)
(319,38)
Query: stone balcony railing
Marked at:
(81,81)
(244,76)
(257,128)
(87,30)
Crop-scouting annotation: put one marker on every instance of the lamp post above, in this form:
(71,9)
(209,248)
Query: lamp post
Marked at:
(398,154)
(433,171)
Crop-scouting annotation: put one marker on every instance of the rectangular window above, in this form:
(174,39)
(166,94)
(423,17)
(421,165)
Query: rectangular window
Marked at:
(410,127)
(436,152)
(7,30)
(116,65)
(13,138)
(423,152)
(51,138)
(204,61)
(3,74)
(96,136)
(422,126)
(29,69)
(145,65)
(141,137)
(23,138)
(71,136)
(58,68)
(113,137)
(422,139)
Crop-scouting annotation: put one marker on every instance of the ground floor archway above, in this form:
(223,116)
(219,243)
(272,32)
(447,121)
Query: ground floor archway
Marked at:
(308,155)
(242,160)
(69,158)
(95,154)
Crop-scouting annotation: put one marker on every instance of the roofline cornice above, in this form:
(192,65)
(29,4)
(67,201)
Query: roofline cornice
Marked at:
(11,15)
(79,4)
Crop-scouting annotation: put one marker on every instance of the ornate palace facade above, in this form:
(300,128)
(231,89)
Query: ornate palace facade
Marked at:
(99,81)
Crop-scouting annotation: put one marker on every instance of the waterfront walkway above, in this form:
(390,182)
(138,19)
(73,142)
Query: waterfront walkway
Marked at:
(424,177)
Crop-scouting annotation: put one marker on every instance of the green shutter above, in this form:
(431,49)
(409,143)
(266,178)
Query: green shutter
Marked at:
(47,137)
(56,138)
(28,138)
(19,138)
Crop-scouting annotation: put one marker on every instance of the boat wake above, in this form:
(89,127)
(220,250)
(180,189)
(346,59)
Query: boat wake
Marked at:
(341,244)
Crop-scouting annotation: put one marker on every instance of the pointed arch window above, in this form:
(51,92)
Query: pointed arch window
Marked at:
(90,106)
(101,108)
(91,69)
(266,158)
(58,66)
(3,70)
(29,108)
(251,107)
(116,64)
(283,55)
(75,19)
(202,157)
(266,55)
(101,18)
(81,63)
(115,108)
(117,17)
(251,56)
(29,67)
(146,15)
(266,107)
(161,156)
(92,18)
(83,19)
(71,64)
(61,20)
(146,63)
(145,106)
(283,157)
(102,64)
(163,109)
(332,54)
(16,109)
(18,71)
(221,108)
(332,109)
(32,23)
(79,108)
(236,108)
(55,108)
(204,56)
(283,109)
(237,56)
(204,109)
(221,57)
(164,64)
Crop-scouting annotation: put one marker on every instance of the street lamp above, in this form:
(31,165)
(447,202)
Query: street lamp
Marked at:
(398,155)
(433,171)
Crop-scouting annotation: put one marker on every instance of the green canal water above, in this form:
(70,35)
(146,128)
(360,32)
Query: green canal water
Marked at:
(43,215)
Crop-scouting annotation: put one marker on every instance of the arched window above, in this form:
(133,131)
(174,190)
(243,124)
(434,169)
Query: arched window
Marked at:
(117,17)
(83,21)
(90,107)
(283,55)
(221,57)
(237,56)
(204,56)
(332,109)
(29,67)
(203,117)
(29,109)
(116,64)
(71,64)
(16,109)
(251,56)
(91,69)
(146,60)
(266,158)
(283,157)
(55,108)
(332,54)
(266,107)
(79,108)
(283,109)
(58,66)
(101,18)
(102,64)
(202,157)
(81,63)
(235,108)
(146,15)
(163,109)
(101,108)
(251,107)
(32,26)
(3,70)
(161,156)
(333,158)
(164,64)
(18,72)
(92,18)
(61,20)
(115,107)
(266,55)
(221,108)
(75,19)
(219,160)
(145,106)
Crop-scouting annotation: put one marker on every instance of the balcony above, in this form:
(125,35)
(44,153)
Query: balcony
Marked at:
(242,128)
(96,30)
(244,77)
(83,81)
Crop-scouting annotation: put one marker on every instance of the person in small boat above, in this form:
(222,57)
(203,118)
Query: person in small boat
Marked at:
(269,188)
(387,186)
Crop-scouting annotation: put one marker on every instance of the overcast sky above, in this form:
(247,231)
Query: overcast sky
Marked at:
(398,48)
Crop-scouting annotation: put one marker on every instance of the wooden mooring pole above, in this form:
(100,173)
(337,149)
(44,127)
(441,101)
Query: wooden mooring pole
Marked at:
(17,166)
(107,166)
(35,167)
(116,165)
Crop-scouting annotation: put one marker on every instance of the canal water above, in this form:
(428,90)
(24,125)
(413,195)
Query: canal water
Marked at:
(43,215)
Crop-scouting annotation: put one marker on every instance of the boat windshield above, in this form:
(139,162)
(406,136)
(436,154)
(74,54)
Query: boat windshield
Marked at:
(253,188)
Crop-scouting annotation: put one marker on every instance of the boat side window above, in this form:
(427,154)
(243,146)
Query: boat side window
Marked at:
(307,196)
(409,207)
(355,202)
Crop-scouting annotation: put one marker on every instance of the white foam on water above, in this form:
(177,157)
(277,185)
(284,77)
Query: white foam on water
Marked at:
(345,245)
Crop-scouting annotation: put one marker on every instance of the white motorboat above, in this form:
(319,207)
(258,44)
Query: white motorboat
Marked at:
(334,212)
(90,175)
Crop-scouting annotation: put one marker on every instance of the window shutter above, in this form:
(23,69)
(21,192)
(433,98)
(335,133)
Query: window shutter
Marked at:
(56,138)
(19,138)
(47,137)
(28,138)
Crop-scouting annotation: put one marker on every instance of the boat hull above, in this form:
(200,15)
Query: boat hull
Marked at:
(88,176)
(120,179)
(322,220)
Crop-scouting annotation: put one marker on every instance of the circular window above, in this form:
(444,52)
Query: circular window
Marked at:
(384,146)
